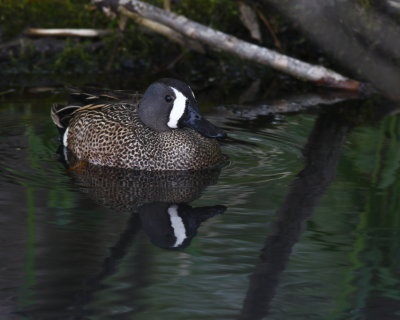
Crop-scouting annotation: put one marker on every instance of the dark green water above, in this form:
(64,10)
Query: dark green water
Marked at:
(311,228)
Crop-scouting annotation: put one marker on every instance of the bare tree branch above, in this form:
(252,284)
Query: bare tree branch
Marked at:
(220,41)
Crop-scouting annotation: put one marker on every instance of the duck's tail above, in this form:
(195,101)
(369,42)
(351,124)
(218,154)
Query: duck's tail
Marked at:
(61,114)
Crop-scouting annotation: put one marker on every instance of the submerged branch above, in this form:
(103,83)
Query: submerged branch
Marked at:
(220,41)
(290,104)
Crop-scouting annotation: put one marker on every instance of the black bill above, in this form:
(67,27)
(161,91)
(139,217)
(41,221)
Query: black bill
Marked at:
(194,120)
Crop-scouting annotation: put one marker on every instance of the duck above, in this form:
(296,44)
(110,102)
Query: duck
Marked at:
(161,129)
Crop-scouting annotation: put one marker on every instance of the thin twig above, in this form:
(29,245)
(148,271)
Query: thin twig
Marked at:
(86,33)
(270,29)
(167,5)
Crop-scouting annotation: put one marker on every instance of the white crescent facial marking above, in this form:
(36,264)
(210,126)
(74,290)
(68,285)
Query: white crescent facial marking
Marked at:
(65,138)
(178,109)
(177,225)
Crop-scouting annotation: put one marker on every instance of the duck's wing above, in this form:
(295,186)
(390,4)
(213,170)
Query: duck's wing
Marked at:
(94,96)
(88,98)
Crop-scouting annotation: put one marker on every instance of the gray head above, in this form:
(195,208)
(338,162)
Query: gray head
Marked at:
(170,104)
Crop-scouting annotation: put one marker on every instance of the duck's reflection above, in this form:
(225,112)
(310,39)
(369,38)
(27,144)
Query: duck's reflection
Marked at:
(159,198)
(158,204)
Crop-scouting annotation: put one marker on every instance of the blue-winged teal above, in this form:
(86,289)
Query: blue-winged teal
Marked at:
(159,130)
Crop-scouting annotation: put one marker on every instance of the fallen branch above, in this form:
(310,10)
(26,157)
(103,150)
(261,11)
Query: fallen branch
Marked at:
(220,41)
(85,33)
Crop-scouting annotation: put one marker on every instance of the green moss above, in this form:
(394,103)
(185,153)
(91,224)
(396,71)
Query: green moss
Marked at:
(74,57)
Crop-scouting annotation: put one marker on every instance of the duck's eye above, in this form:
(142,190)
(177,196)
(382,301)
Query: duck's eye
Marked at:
(169,98)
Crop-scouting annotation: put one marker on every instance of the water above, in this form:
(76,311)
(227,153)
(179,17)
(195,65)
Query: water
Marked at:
(288,231)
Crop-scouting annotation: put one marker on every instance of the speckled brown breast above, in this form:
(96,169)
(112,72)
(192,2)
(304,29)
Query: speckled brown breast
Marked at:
(113,135)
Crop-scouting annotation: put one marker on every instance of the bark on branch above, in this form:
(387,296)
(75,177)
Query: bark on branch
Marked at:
(220,41)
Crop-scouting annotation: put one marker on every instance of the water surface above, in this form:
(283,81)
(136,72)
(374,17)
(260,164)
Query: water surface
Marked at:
(303,223)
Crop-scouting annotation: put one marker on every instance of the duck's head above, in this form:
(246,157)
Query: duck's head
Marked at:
(170,104)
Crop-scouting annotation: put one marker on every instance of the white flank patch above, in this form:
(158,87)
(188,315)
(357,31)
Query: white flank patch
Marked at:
(178,109)
(65,138)
(65,152)
(177,225)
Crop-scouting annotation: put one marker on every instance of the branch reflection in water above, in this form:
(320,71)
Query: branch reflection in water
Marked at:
(322,154)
